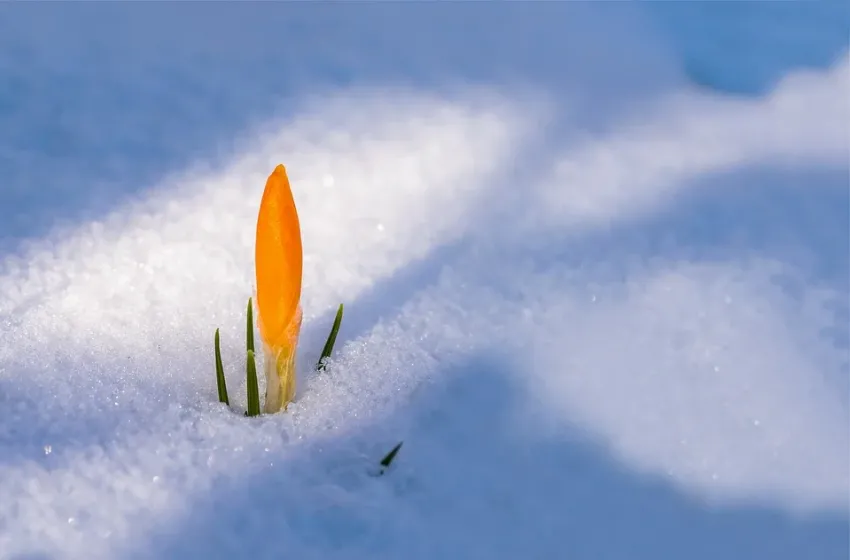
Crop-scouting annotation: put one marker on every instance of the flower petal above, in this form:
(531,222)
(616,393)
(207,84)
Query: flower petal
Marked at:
(278,261)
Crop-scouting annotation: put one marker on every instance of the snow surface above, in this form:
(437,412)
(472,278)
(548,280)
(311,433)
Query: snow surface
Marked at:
(604,302)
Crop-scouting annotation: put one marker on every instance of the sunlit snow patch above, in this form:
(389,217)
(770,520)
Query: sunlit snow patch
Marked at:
(106,357)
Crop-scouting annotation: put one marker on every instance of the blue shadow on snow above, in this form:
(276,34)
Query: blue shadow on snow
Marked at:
(469,485)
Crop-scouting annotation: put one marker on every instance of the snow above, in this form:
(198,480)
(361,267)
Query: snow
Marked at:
(603,301)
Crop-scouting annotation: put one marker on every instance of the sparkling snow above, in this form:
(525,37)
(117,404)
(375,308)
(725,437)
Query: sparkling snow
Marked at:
(601,296)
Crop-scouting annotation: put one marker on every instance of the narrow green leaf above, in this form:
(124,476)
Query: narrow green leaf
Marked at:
(219,372)
(388,459)
(253,388)
(329,345)
(250,326)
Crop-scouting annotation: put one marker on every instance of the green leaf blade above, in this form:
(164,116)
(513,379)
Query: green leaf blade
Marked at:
(250,326)
(219,372)
(389,457)
(253,386)
(329,344)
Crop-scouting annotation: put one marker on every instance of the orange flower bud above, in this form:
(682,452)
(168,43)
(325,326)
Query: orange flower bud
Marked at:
(278,262)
